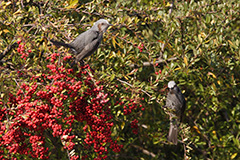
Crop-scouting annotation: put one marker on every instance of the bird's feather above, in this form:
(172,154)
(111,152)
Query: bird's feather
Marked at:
(84,39)
(90,47)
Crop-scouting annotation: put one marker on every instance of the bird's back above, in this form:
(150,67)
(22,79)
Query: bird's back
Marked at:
(83,40)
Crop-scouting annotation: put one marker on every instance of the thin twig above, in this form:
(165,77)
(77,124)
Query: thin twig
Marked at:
(132,86)
(153,62)
(144,150)
(199,45)
(183,143)
(19,87)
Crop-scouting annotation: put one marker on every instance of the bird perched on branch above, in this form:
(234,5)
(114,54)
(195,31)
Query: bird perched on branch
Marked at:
(87,42)
(176,104)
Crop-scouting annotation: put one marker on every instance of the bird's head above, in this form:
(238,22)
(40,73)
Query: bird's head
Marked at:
(171,85)
(101,25)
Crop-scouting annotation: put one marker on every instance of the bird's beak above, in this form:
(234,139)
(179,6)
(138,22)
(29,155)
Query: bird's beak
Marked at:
(110,24)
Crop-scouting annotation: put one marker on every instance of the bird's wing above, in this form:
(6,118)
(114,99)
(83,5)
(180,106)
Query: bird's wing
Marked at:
(90,47)
(83,40)
(174,103)
(180,97)
(170,103)
(183,103)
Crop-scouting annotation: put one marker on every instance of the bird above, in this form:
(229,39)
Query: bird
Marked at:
(176,104)
(87,42)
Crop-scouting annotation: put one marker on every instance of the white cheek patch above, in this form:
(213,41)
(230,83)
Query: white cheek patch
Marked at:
(171,84)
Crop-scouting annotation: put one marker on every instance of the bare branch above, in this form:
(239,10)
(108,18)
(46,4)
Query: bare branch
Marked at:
(144,151)
(171,9)
(8,49)
(132,86)
(147,64)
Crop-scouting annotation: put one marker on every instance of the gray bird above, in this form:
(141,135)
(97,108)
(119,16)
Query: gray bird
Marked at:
(176,104)
(87,42)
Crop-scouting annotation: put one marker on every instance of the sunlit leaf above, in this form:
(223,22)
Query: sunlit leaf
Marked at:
(6,31)
(232,44)
(196,129)
(114,42)
(211,74)
(185,61)
(17,12)
(179,68)
(234,155)
(72,4)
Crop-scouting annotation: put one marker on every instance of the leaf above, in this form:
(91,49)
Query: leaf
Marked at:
(165,55)
(207,18)
(200,38)
(17,12)
(5,4)
(232,44)
(214,133)
(122,125)
(6,31)
(72,4)
(168,4)
(114,42)
(112,77)
(234,155)
(211,74)
(185,61)
(196,129)
(160,41)
(125,77)
(177,68)
(132,72)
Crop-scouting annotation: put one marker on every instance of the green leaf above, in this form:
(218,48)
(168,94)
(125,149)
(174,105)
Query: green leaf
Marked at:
(72,4)
(208,18)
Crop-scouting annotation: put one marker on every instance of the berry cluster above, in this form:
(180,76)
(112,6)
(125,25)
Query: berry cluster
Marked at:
(140,47)
(131,106)
(49,107)
(134,126)
(159,72)
(21,50)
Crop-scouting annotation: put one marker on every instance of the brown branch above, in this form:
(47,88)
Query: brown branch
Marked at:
(147,64)
(171,8)
(144,151)
(7,50)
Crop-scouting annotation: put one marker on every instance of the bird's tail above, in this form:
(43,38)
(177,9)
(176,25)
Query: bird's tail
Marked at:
(173,132)
(57,43)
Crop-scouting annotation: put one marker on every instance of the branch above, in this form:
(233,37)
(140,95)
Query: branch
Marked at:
(144,150)
(199,45)
(132,86)
(8,49)
(171,8)
(19,86)
(152,63)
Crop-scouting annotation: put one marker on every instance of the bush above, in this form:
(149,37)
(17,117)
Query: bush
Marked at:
(111,108)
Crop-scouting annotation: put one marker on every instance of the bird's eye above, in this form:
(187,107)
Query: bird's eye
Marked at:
(102,23)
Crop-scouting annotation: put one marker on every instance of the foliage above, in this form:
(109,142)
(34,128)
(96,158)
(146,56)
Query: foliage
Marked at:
(112,108)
